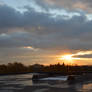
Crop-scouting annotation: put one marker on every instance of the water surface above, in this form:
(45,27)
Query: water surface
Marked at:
(20,83)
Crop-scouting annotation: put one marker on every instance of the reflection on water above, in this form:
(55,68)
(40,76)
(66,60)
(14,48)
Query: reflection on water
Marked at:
(14,82)
(17,82)
(86,87)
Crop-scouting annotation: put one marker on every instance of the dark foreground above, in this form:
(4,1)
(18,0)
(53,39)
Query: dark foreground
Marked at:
(23,83)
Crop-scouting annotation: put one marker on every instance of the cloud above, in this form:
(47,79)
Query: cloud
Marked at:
(45,29)
(31,48)
(85,5)
(1,3)
(16,39)
(68,4)
(83,55)
(9,17)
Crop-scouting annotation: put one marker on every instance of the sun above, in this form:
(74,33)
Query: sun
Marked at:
(66,57)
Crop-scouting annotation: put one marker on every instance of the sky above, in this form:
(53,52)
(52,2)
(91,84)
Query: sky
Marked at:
(42,31)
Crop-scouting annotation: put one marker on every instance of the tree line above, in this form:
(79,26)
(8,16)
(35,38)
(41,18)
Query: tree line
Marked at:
(19,68)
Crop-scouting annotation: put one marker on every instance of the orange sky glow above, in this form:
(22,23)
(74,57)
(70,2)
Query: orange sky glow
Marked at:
(73,59)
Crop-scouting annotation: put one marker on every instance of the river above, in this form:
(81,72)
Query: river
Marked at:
(24,83)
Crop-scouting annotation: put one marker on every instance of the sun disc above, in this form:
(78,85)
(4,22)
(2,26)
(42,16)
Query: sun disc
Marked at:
(67,57)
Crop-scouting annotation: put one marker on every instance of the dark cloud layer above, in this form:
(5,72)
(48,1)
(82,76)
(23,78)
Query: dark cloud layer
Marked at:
(42,30)
(9,17)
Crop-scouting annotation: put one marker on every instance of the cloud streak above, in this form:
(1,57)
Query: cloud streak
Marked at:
(83,55)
